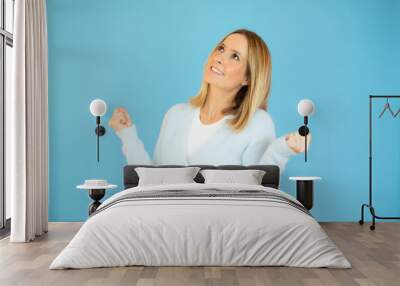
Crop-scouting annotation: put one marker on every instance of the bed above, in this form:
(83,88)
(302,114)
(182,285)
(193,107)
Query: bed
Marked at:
(198,224)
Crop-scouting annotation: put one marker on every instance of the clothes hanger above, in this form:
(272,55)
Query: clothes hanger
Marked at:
(397,113)
(387,106)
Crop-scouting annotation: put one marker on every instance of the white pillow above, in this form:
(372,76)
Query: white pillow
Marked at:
(162,176)
(248,177)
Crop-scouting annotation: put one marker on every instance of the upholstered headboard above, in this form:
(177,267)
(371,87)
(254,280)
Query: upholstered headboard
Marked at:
(270,179)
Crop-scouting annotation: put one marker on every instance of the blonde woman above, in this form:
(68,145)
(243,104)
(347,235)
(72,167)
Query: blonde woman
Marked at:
(227,122)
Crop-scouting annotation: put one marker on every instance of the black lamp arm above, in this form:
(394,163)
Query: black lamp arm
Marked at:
(303,131)
(100,131)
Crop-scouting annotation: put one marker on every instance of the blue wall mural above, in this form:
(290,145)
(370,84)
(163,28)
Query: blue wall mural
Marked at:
(148,55)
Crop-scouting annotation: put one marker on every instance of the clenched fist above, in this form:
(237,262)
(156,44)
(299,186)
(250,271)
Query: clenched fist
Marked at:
(120,119)
(296,142)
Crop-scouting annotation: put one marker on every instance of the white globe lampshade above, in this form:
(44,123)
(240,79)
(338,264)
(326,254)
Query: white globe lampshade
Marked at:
(305,107)
(98,107)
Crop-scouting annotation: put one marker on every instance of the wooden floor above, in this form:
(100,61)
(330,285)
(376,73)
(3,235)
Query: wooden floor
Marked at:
(374,255)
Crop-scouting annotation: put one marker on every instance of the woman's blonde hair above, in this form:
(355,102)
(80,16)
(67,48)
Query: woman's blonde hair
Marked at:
(253,95)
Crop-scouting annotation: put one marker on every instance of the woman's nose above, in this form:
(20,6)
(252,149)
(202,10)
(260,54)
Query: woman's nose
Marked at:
(218,59)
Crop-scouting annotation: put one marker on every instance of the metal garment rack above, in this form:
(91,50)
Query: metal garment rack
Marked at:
(370,205)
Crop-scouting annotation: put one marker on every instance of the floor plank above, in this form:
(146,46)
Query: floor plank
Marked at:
(374,255)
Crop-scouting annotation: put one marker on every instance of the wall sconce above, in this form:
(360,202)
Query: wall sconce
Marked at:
(305,109)
(98,108)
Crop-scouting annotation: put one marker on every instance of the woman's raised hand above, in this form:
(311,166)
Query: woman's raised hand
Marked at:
(120,119)
(296,142)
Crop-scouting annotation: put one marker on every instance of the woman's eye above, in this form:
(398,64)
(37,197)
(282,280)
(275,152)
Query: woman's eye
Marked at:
(235,57)
(221,48)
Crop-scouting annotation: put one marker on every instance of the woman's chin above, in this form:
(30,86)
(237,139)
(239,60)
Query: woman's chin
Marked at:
(216,82)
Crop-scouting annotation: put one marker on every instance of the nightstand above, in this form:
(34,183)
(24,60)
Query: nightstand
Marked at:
(304,190)
(97,190)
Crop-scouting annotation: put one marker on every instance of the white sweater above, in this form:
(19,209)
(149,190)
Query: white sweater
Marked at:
(199,132)
(256,144)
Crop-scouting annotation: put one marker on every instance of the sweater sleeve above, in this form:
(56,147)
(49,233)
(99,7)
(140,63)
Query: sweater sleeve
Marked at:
(133,147)
(158,150)
(277,153)
(265,148)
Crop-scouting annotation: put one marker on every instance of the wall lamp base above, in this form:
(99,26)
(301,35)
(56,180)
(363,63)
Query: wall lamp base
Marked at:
(100,130)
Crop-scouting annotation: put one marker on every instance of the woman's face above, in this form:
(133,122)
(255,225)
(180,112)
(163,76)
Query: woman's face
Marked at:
(227,64)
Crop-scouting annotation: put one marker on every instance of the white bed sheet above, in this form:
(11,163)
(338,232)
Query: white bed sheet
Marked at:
(200,231)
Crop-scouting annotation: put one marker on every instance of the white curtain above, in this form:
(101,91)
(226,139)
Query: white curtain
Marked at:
(27,151)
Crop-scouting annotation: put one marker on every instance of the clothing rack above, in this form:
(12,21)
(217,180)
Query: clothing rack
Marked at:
(370,205)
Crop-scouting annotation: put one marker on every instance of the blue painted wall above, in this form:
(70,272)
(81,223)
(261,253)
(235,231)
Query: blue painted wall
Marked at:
(149,55)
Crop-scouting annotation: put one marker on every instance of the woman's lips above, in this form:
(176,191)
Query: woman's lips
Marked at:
(216,71)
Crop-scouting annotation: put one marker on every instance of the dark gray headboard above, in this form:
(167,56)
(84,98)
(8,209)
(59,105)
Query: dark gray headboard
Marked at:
(270,179)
